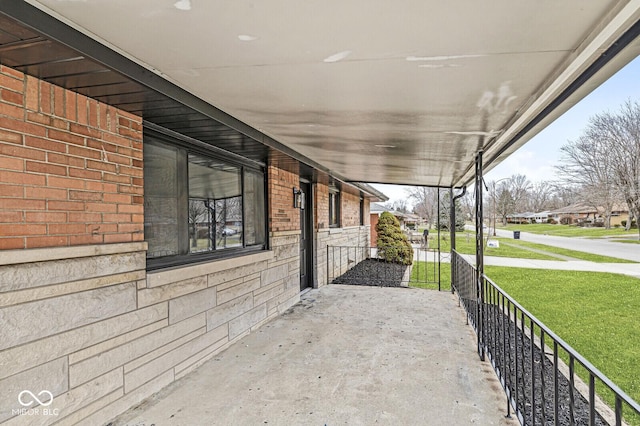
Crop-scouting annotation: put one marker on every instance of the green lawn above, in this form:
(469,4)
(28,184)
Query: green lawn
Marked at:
(567,230)
(595,313)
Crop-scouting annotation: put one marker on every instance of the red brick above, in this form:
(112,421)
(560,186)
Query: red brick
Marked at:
(11,243)
(137,163)
(66,137)
(137,200)
(54,241)
(11,111)
(70,105)
(12,97)
(118,238)
(45,97)
(11,217)
(60,124)
(84,152)
(128,133)
(18,229)
(101,145)
(11,163)
(21,178)
(99,165)
(131,171)
(76,240)
(66,205)
(117,140)
(58,101)
(103,228)
(45,193)
(20,152)
(10,137)
(50,169)
(137,237)
(107,187)
(21,126)
(15,84)
(86,217)
(139,182)
(85,130)
(46,217)
(45,144)
(11,191)
(82,109)
(130,227)
(36,117)
(12,72)
(101,207)
(21,204)
(134,209)
(117,178)
(63,229)
(117,198)
(119,159)
(93,113)
(32,93)
(105,117)
(84,174)
(85,195)
(65,159)
(62,182)
(129,189)
(116,218)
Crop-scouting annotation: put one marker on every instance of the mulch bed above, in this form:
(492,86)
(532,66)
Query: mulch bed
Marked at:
(542,374)
(373,272)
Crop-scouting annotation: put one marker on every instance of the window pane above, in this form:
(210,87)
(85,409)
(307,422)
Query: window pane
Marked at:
(215,199)
(254,208)
(161,199)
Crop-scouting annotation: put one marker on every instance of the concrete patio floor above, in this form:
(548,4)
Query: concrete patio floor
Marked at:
(343,355)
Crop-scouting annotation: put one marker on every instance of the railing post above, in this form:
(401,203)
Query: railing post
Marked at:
(479,256)
(452,229)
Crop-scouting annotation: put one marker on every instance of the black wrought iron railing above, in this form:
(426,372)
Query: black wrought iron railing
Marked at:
(539,372)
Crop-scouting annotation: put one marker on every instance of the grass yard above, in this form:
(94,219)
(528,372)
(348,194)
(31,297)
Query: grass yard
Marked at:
(567,230)
(596,313)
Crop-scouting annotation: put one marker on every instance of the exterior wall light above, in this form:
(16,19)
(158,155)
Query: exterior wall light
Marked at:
(298,198)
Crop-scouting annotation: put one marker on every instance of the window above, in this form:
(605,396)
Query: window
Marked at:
(334,208)
(361,211)
(199,205)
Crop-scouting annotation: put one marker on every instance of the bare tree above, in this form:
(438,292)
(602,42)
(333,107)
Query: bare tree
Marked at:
(426,202)
(588,164)
(539,196)
(620,133)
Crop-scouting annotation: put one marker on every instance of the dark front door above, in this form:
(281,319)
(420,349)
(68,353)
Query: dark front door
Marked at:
(306,238)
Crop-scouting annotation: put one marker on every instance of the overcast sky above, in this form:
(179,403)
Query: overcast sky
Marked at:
(537,158)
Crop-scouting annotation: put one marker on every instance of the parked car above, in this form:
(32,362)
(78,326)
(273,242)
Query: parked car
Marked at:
(228,231)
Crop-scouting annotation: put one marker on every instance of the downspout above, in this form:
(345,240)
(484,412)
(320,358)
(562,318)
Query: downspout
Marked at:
(479,257)
(452,226)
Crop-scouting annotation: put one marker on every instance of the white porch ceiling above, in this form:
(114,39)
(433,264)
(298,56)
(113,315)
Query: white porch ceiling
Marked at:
(375,91)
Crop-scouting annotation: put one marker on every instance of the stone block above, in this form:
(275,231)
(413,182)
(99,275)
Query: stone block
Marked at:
(154,295)
(68,404)
(92,367)
(158,366)
(51,377)
(39,293)
(78,417)
(227,311)
(37,274)
(235,273)
(238,290)
(274,274)
(267,293)
(94,350)
(287,251)
(31,321)
(192,363)
(23,357)
(128,400)
(246,321)
(191,304)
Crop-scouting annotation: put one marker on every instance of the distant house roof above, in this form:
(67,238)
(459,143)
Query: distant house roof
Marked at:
(582,208)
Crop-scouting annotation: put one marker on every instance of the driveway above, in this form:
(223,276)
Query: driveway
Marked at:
(343,355)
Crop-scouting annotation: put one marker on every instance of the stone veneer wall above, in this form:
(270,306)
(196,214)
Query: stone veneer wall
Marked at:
(92,327)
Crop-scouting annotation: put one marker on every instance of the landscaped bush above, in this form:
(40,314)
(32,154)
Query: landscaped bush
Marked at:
(393,245)
(566,220)
(634,225)
(552,221)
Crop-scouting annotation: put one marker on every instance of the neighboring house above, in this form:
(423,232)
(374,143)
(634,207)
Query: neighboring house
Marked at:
(583,213)
(529,217)
(407,220)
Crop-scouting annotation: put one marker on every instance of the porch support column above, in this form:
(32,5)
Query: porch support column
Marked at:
(479,257)
(452,226)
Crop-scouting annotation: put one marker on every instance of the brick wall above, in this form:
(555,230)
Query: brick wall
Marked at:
(322,204)
(282,215)
(70,167)
(350,207)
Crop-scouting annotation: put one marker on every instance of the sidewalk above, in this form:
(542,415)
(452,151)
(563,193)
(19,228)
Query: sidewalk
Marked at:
(344,355)
(632,269)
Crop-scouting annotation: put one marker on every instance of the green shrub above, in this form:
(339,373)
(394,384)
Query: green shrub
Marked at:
(634,225)
(393,245)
